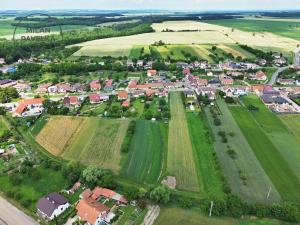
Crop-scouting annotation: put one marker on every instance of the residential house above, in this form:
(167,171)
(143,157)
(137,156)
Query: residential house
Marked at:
(132,85)
(74,188)
(95,85)
(78,88)
(52,205)
(286,81)
(100,192)
(209,91)
(260,88)
(29,107)
(186,71)
(126,103)
(71,101)
(91,211)
(151,73)
(109,85)
(140,63)
(225,80)
(122,95)
(52,89)
(259,76)
(130,63)
(63,87)
(150,86)
(2,61)
(43,88)
(22,86)
(8,69)
(149,65)
(7,83)
(268,100)
(97,98)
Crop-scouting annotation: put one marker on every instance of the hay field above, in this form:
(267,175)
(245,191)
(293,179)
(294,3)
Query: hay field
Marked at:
(207,34)
(236,51)
(57,132)
(180,160)
(98,142)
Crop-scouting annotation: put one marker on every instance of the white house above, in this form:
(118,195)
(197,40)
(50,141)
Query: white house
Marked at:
(52,206)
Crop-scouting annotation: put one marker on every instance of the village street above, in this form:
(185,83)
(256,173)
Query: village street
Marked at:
(10,215)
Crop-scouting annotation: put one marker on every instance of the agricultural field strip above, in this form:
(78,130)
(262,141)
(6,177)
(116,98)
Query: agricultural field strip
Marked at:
(3,125)
(180,161)
(98,142)
(279,134)
(209,34)
(56,134)
(145,157)
(276,167)
(293,123)
(258,181)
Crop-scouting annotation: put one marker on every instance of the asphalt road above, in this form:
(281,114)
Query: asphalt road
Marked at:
(276,74)
(10,215)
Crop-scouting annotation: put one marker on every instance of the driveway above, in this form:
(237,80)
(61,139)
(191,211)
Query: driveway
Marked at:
(10,215)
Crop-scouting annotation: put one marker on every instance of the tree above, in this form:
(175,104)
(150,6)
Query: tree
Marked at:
(160,194)
(93,176)
(2,111)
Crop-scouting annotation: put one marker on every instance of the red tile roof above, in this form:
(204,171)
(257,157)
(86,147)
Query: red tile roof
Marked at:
(122,95)
(99,191)
(151,72)
(25,103)
(89,210)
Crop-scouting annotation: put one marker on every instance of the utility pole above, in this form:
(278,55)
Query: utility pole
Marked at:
(211,207)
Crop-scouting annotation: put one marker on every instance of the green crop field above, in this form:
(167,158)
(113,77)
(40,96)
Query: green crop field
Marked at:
(98,142)
(145,159)
(293,123)
(285,142)
(3,125)
(178,216)
(135,52)
(257,182)
(289,29)
(274,164)
(181,162)
(203,150)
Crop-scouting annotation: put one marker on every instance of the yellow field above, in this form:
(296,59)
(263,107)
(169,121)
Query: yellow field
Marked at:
(181,162)
(55,135)
(208,34)
(91,141)
(203,52)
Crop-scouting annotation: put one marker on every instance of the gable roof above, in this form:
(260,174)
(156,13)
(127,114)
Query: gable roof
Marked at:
(89,210)
(49,203)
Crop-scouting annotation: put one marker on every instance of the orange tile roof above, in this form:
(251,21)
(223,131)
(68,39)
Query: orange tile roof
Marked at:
(20,109)
(98,191)
(89,210)
(23,104)
(152,72)
(122,94)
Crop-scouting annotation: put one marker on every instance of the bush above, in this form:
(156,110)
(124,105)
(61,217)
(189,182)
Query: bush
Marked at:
(217,121)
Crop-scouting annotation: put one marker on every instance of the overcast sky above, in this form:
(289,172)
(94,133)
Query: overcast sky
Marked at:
(152,4)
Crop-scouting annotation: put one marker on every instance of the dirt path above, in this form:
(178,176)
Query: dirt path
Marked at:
(151,215)
(10,215)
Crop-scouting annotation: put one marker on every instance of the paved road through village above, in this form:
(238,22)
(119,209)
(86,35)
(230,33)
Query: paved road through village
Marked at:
(10,215)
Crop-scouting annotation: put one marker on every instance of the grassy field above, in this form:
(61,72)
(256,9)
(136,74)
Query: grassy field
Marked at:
(178,216)
(38,125)
(293,123)
(286,28)
(257,183)
(3,125)
(91,141)
(57,132)
(32,189)
(206,34)
(203,151)
(274,164)
(145,159)
(135,52)
(98,142)
(282,138)
(181,162)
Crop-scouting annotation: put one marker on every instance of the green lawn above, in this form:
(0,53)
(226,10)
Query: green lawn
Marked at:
(32,189)
(257,183)
(147,151)
(283,28)
(3,125)
(38,125)
(277,168)
(203,150)
(282,138)
(178,216)
(293,123)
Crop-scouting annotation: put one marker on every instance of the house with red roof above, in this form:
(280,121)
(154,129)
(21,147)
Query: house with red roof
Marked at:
(151,73)
(71,101)
(29,107)
(95,85)
(186,71)
(98,98)
(226,80)
(108,85)
(122,95)
(100,192)
(259,76)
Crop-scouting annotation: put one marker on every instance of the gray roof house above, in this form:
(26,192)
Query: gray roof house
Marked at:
(52,205)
